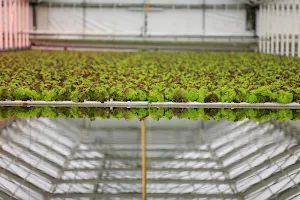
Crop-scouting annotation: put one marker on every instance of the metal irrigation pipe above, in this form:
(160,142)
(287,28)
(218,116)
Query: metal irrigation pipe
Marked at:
(146,104)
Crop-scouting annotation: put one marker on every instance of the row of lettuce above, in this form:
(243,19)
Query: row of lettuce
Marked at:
(154,113)
(149,76)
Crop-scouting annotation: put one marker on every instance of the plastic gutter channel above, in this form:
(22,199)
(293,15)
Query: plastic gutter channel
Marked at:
(146,104)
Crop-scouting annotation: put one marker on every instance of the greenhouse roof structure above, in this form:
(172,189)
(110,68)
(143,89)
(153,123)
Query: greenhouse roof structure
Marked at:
(76,159)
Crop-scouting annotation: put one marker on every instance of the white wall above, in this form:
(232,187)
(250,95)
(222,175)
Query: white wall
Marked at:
(125,21)
(152,1)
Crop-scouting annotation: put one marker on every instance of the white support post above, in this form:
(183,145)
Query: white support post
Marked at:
(277,29)
(298,43)
(5,22)
(1,26)
(15,17)
(293,29)
(287,15)
(268,31)
(260,29)
(263,28)
(282,29)
(272,31)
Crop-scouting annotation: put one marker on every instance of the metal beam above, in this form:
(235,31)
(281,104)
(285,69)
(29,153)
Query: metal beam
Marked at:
(287,193)
(150,159)
(49,149)
(232,184)
(6,196)
(241,161)
(40,131)
(21,162)
(242,136)
(135,5)
(21,181)
(266,162)
(146,104)
(148,169)
(273,177)
(138,181)
(136,129)
(138,195)
(26,149)
(113,149)
(67,161)
(99,176)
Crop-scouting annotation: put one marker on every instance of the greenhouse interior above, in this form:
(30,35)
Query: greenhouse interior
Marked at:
(150,99)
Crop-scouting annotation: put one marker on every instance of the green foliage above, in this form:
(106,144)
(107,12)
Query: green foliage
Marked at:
(149,76)
(154,113)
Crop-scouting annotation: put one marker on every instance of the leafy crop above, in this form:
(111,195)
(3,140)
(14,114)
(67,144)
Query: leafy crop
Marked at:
(149,76)
(155,113)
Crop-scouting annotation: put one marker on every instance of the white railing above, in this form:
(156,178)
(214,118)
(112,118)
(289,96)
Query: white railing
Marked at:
(14,24)
(279,27)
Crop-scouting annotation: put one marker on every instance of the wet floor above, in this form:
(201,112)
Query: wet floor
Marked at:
(43,158)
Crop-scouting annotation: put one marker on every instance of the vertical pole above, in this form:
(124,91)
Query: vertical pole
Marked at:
(48,16)
(272,31)
(10,14)
(1,27)
(203,18)
(282,28)
(298,43)
(263,19)
(15,24)
(268,27)
(277,42)
(293,27)
(260,28)
(83,17)
(5,24)
(265,28)
(19,24)
(287,42)
(144,169)
(27,24)
(147,6)
(34,19)
(23,23)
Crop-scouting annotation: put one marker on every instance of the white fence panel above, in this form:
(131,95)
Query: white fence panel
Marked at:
(279,27)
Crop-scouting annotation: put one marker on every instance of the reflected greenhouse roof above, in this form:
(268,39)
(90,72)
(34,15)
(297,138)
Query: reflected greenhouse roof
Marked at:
(81,159)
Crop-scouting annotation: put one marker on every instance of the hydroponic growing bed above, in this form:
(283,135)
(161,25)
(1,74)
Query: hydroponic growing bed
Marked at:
(154,113)
(149,76)
(147,79)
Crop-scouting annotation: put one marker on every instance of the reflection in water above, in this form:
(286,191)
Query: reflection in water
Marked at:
(81,159)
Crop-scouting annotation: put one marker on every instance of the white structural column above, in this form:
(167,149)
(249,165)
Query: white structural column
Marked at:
(298,43)
(293,28)
(15,18)
(1,27)
(287,15)
(277,28)
(23,23)
(272,30)
(5,21)
(10,16)
(263,28)
(268,31)
(19,24)
(27,23)
(282,29)
(260,15)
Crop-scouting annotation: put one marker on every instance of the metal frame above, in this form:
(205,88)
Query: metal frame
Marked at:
(146,104)
(123,175)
